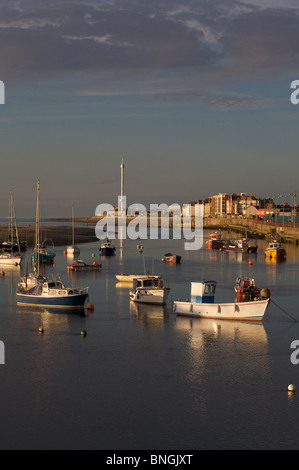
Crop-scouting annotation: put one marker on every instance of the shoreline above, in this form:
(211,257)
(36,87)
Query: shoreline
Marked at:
(61,235)
(250,228)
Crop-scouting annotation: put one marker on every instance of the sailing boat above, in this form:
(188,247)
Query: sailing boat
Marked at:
(40,253)
(49,292)
(73,249)
(9,257)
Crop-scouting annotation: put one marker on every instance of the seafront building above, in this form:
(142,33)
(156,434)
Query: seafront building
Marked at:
(225,205)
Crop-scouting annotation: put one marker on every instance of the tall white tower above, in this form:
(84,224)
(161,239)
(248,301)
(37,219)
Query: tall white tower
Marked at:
(122,205)
(122,182)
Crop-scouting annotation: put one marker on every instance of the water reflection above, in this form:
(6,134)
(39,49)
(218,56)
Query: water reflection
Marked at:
(149,315)
(124,285)
(48,312)
(240,331)
(230,351)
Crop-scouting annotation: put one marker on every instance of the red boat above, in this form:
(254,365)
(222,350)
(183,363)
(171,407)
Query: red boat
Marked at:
(79,265)
(215,242)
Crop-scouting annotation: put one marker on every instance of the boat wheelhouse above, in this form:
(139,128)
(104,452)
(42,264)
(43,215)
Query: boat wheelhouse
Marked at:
(275,250)
(149,290)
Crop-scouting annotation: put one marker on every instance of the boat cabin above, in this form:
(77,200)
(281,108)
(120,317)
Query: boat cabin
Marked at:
(52,285)
(203,292)
(275,246)
(147,283)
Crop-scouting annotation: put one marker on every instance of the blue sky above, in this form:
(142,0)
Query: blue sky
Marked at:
(194,95)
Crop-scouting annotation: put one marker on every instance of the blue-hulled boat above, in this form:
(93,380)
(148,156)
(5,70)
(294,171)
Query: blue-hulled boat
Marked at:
(53,294)
(107,248)
(42,255)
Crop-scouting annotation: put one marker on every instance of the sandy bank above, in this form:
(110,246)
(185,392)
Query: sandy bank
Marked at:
(60,235)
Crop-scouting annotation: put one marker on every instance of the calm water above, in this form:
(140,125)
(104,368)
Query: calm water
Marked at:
(143,378)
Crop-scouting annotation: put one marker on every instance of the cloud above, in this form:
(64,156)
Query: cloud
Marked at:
(154,47)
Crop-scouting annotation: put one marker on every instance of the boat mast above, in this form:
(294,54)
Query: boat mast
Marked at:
(10,220)
(37,227)
(73,225)
(13,214)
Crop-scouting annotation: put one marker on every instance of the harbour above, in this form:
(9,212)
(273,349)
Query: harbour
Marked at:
(149,228)
(189,367)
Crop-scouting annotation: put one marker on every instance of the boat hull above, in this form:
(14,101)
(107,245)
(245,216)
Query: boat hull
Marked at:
(11,261)
(247,311)
(43,258)
(276,253)
(158,297)
(68,301)
(175,259)
(107,251)
(131,277)
(72,250)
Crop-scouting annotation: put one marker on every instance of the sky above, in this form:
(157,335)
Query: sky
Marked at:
(194,95)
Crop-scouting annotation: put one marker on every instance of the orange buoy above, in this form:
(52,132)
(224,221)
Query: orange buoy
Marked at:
(64,252)
(265,293)
(90,306)
(41,330)
(250,263)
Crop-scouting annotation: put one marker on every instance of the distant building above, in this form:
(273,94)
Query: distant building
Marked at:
(251,212)
(218,205)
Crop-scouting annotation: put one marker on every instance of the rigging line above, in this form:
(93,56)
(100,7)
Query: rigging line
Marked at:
(283,310)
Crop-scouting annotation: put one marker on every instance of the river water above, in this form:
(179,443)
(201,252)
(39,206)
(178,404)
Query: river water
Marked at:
(143,378)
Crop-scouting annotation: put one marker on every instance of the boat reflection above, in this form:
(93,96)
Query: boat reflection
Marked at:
(153,315)
(199,330)
(124,285)
(223,351)
(78,311)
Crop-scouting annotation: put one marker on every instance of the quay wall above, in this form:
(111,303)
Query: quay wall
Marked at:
(252,228)
(287,231)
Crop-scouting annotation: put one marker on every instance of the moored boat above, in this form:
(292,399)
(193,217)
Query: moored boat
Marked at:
(215,242)
(131,277)
(8,256)
(275,250)
(107,248)
(43,253)
(53,294)
(202,304)
(80,265)
(13,246)
(73,249)
(240,246)
(10,259)
(172,258)
(149,291)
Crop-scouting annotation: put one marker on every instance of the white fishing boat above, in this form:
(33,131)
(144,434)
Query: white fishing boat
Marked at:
(6,258)
(149,290)
(202,304)
(73,249)
(53,294)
